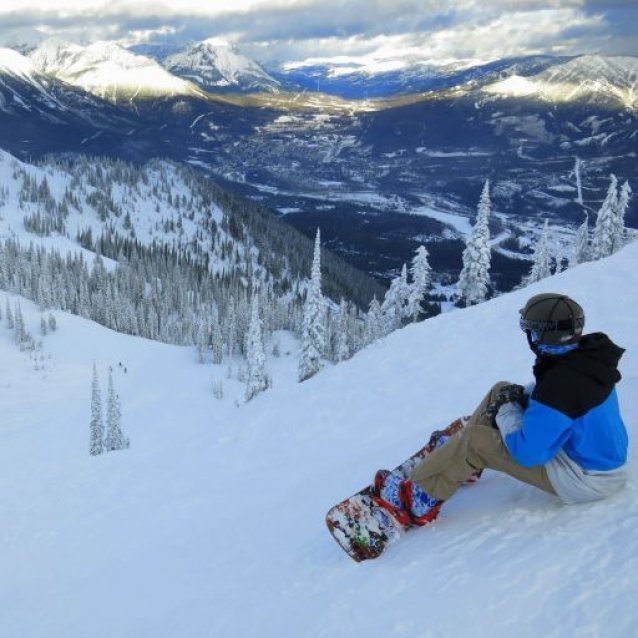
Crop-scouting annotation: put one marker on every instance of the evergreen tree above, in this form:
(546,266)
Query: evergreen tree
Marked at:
(342,346)
(96,445)
(115,440)
(606,228)
(421,277)
(374,326)
(395,305)
(541,264)
(619,218)
(579,186)
(217,339)
(474,277)
(231,327)
(10,322)
(580,253)
(257,380)
(313,331)
(202,340)
(20,332)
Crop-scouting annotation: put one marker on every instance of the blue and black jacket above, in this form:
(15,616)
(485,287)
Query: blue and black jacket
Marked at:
(574,409)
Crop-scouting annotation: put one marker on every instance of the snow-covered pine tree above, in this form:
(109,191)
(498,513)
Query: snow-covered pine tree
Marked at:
(20,333)
(115,439)
(217,338)
(579,186)
(342,345)
(374,327)
(231,327)
(606,229)
(580,252)
(421,277)
(202,340)
(541,264)
(395,303)
(474,277)
(619,218)
(257,380)
(313,332)
(9,313)
(96,443)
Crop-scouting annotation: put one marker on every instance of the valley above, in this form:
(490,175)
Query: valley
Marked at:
(363,170)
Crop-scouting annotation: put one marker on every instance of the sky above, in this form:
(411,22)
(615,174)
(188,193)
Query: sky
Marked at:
(357,32)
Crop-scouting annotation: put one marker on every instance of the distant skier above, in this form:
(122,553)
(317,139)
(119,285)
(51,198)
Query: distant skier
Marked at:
(563,434)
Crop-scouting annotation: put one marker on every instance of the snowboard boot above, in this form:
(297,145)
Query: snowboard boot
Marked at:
(387,487)
(422,507)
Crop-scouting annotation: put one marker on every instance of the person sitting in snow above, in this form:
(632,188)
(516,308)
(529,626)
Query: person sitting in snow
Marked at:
(564,434)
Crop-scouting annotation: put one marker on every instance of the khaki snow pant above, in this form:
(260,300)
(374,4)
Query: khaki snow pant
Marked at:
(476,447)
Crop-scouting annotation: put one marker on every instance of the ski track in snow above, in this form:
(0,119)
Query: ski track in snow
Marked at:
(211,524)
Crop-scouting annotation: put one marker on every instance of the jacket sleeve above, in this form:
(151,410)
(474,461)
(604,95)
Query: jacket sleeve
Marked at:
(543,433)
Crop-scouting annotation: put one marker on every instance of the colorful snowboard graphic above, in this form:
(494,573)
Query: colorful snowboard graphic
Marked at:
(363,528)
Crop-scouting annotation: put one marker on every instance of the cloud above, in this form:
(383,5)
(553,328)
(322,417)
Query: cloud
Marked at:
(371,30)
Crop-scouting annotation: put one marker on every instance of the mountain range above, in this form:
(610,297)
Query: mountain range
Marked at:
(380,175)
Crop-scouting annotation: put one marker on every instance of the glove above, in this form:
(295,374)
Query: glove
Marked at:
(512,393)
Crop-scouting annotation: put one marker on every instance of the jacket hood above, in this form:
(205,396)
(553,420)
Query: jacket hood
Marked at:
(596,357)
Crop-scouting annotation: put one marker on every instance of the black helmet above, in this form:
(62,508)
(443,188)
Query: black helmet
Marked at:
(550,318)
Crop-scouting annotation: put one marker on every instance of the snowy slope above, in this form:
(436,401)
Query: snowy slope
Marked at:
(109,71)
(16,67)
(149,197)
(212,523)
(590,78)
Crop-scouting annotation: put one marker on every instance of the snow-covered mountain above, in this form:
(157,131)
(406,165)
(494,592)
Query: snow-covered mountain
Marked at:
(589,79)
(218,66)
(109,71)
(360,80)
(212,522)
(25,90)
(13,63)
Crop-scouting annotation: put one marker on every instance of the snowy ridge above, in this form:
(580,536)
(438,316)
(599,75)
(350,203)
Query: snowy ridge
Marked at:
(212,522)
(109,71)
(153,215)
(213,64)
(15,66)
(607,79)
(14,63)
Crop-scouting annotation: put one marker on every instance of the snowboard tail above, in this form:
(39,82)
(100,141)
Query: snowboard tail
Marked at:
(362,526)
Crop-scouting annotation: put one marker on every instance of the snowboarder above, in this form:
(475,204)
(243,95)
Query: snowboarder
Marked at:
(563,434)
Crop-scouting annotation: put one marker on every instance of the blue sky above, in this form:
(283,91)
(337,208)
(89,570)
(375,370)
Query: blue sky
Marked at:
(357,31)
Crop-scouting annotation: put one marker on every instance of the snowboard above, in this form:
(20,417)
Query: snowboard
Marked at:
(362,527)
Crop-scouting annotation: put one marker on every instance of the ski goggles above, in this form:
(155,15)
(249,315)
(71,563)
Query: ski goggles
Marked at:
(573,325)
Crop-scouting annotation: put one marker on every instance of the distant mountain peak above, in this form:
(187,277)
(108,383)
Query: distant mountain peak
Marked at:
(216,64)
(14,63)
(589,78)
(108,70)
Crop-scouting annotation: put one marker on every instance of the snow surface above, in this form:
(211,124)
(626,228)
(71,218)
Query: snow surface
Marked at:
(211,524)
